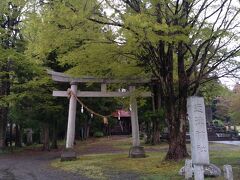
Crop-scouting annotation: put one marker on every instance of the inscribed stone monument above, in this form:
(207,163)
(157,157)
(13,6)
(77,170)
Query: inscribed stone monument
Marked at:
(198,130)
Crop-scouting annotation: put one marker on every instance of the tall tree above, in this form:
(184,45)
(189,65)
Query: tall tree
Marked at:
(183,44)
(74,34)
(10,47)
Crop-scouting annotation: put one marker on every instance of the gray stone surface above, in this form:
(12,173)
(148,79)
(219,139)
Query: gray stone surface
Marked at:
(198,172)
(68,155)
(134,118)
(188,169)
(137,152)
(209,171)
(212,170)
(198,130)
(228,174)
(71,118)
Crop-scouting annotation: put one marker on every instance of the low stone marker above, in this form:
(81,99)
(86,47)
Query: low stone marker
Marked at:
(228,174)
(188,169)
(198,135)
(210,170)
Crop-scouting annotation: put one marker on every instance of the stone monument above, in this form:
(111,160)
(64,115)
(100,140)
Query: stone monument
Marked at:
(198,135)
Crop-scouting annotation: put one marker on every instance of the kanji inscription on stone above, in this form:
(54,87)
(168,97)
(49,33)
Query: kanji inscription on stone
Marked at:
(198,130)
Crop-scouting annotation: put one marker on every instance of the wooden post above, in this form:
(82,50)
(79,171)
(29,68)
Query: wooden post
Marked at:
(135,151)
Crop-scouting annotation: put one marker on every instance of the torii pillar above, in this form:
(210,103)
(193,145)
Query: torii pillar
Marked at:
(69,154)
(136,151)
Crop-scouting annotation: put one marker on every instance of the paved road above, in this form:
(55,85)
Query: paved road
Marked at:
(33,166)
(237,143)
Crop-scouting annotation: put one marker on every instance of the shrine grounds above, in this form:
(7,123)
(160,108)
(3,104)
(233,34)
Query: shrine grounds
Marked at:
(106,158)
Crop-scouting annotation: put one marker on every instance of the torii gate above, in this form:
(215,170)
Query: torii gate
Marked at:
(136,151)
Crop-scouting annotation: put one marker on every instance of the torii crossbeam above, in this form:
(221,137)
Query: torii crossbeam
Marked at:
(136,150)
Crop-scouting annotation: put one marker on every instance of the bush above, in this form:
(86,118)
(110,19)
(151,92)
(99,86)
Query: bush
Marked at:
(218,123)
(98,134)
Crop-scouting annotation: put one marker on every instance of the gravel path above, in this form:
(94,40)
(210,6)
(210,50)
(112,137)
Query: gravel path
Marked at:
(34,164)
(30,165)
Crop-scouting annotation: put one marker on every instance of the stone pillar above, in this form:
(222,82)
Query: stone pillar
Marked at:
(69,153)
(188,169)
(136,151)
(198,172)
(71,117)
(228,174)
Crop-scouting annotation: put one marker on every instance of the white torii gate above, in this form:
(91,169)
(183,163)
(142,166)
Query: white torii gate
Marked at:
(136,151)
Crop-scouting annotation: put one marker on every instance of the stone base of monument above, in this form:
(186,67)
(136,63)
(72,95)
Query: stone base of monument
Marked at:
(209,171)
(68,155)
(137,152)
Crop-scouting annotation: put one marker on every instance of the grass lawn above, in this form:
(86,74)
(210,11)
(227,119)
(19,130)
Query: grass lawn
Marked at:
(108,165)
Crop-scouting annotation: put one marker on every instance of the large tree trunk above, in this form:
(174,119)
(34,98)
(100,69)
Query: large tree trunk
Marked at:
(177,112)
(177,135)
(153,127)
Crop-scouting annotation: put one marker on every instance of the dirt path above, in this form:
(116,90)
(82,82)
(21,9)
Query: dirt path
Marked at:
(33,165)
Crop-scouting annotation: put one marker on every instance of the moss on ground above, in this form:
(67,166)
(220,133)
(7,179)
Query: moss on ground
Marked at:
(153,167)
(98,166)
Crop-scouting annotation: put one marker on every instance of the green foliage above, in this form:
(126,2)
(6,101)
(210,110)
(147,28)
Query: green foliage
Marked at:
(98,134)
(158,115)
(218,122)
(213,89)
(85,47)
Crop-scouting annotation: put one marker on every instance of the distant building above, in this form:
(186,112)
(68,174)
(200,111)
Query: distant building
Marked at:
(123,126)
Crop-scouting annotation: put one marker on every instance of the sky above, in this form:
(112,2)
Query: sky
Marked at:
(229,82)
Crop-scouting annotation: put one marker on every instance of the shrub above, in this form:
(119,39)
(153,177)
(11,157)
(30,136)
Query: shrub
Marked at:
(98,134)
